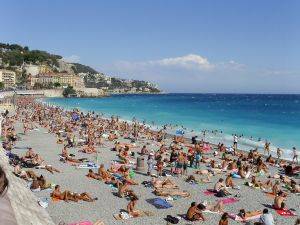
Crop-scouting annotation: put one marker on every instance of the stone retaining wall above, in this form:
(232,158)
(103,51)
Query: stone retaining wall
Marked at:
(23,202)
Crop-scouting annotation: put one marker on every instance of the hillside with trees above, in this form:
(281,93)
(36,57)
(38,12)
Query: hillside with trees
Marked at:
(14,56)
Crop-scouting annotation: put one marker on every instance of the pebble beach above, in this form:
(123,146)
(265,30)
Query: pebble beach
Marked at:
(108,203)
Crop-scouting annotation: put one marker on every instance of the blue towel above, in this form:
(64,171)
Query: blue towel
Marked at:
(159,203)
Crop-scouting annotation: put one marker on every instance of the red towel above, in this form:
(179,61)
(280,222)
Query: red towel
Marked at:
(227,201)
(285,212)
(209,192)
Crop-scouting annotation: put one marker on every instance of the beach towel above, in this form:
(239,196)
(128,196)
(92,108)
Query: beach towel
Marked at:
(36,190)
(234,175)
(227,201)
(118,176)
(82,223)
(125,216)
(212,212)
(43,202)
(209,192)
(159,203)
(206,148)
(88,166)
(112,187)
(285,212)
(237,218)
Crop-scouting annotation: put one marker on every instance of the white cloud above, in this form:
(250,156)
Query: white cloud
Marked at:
(190,62)
(72,59)
(231,65)
(280,72)
(195,73)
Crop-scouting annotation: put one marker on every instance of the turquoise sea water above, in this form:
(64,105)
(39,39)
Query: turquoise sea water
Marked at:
(275,118)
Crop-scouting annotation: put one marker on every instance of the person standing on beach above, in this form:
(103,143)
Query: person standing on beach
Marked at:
(150,163)
(235,140)
(295,155)
(160,167)
(267,148)
(279,153)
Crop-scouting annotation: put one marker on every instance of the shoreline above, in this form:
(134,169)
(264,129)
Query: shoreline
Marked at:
(170,133)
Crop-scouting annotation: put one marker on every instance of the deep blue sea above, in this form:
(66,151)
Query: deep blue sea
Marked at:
(275,118)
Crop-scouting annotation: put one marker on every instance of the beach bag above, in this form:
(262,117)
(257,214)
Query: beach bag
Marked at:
(172,219)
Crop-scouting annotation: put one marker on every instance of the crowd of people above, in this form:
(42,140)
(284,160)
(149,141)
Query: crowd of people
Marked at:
(179,158)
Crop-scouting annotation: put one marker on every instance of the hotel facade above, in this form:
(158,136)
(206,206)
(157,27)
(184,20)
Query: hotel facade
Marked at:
(8,78)
(64,79)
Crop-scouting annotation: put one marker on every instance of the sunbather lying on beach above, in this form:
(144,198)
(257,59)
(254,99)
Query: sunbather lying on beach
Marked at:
(258,184)
(166,183)
(92,174)
(89,149)
(39,182)
(49,168)
(26,175)
(192,178)
(30,154)
(202,172)
(171,192)
(37,160)
(217,207)
(67,195)
(244,215)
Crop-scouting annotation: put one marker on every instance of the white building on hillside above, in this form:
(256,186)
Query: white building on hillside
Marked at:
(31,69)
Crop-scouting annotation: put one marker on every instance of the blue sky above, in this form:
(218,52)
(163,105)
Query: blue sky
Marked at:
(184,46)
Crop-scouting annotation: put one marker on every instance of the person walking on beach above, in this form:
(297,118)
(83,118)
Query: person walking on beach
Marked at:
(267,148)
(279,153)
(295,155)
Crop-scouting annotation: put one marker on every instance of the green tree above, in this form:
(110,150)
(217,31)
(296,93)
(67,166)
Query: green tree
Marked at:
(56,84)
(69,91)
(1,85)
(38,86)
